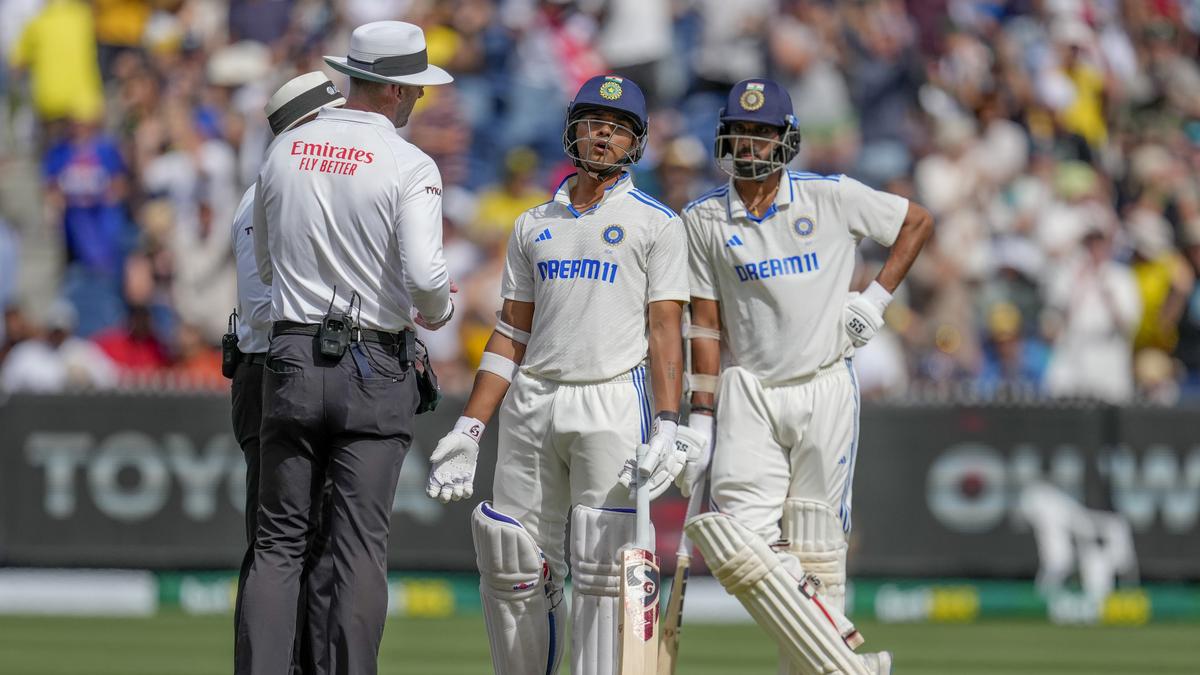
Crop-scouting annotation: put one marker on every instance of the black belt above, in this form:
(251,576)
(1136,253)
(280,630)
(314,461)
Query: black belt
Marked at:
(256,359)
(395,341)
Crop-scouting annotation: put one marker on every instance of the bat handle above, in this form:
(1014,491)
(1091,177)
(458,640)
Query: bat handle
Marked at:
(642,531)
(693,508)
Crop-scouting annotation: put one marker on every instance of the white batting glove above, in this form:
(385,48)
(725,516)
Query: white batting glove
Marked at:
(697,440)
(662,462)
(453,474)
(863,315)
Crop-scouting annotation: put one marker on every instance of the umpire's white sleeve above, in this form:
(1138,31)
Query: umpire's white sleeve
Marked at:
(262,254)
(420,234)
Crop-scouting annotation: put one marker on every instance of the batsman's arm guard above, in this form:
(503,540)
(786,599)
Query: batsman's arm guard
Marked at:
(520,598)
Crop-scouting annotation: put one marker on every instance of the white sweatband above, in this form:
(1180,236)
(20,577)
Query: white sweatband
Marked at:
(695,332)
(878,296)
(705,384)
(471,427)
(499,365)
(512,332)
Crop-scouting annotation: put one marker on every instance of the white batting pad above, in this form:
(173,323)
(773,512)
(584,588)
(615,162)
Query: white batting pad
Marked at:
(748,568)
(814,534)
(520,599)
(597,537)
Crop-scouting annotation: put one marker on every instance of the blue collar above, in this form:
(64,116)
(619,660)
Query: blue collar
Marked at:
(562,194)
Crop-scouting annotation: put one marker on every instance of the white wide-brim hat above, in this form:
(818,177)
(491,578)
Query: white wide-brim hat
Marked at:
(300,97)
(392,52)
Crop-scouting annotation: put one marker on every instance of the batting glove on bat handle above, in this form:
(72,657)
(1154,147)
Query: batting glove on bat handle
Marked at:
(697,441)
(863,315)
(452,476)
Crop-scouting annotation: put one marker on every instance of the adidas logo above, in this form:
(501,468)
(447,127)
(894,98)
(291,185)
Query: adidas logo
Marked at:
(842,460)
(544,235)
(734,241)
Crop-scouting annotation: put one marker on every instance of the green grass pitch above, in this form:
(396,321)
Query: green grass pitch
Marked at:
(177,644)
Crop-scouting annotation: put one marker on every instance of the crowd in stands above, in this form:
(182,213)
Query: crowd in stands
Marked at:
(1056,142)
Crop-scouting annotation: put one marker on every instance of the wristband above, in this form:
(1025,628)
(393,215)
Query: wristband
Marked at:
(702,409)
(695,332)
(470,427)
(877,295)
(668,416)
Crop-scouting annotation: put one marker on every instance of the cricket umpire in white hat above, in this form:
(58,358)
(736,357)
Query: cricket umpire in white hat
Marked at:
(347,224)
(244,353)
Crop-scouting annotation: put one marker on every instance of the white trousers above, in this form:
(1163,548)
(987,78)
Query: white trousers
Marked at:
(564,444)
(792,441)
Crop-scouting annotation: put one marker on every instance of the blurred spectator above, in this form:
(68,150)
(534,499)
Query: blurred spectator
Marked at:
(16,329)
(1095,306)
(134,346)
(500,205)
(87,183)
(634,37)
(58,48)
(10,253)
(1164,280)
(119,28)
(681,176)
(198,363)
(1013,361)
(1188,349)
(57,362)
(260,20)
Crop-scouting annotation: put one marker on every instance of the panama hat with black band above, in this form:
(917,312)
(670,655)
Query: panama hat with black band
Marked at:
(299,98)
(392,52)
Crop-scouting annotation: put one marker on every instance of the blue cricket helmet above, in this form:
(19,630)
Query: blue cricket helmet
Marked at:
(610,93)
(757,101)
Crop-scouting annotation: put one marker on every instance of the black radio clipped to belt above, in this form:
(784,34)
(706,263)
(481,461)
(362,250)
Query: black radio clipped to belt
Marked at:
(230,355)
(427,384)
(336,330)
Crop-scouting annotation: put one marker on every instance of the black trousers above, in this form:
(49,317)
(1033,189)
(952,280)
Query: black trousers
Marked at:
(344,423)
(308,648)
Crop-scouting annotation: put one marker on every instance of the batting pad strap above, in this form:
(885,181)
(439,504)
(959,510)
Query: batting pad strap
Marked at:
(512,332)
(695,332)
(706,384)
(503,366)
(813,533)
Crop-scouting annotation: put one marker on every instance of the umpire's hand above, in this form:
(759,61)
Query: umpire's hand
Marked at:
(453,474)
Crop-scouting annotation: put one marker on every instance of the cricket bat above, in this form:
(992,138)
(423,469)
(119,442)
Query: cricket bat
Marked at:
(672,624)
(637,629)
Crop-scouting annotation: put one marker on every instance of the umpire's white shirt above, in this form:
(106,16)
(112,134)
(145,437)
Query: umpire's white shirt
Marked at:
(590,276)
(782,280)
(344,201)
(254,297)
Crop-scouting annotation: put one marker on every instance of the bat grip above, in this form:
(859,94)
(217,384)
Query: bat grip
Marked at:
(693,509)
(642,531)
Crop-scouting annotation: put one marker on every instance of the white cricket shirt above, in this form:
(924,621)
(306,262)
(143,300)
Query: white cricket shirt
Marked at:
(590,276)
(254,297)
(782,280)
(344,201)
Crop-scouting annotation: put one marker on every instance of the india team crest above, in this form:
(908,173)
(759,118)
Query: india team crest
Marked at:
(752,99)
(804,226)
(613,235)
(611,89)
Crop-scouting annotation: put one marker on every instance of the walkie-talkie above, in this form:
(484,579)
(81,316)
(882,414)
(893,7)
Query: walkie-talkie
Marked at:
(230,354)
(333,335)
